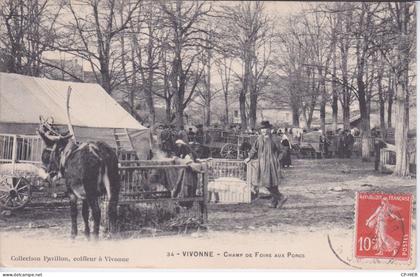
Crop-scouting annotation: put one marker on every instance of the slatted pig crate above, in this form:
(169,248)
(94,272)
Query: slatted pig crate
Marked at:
(228,182)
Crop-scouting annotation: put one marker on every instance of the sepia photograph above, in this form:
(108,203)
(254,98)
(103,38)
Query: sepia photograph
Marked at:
(186,134)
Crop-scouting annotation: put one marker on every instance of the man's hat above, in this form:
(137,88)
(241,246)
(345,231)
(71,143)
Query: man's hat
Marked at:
(265,124)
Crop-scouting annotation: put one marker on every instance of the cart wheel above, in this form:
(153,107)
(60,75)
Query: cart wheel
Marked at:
(15,192)
(229,151)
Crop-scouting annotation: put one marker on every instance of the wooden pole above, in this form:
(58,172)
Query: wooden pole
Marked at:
(69,125)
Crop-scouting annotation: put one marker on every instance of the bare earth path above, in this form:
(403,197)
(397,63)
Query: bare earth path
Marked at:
(321,204)
(321,196)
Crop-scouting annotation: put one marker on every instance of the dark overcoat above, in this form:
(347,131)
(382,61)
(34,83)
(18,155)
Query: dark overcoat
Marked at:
(268,152)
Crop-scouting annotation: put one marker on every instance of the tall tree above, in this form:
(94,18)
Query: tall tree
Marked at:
(224,70)
(403,31)
(186,22)
(248,34)
(27,29)
(93,35)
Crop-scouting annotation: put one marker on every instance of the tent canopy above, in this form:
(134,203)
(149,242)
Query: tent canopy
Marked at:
(23,99)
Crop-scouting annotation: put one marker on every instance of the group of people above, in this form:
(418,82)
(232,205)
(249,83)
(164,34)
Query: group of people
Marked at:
(343,145)
(175,143)
(271,149)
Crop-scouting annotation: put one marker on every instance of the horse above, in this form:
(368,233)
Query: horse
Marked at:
(90,171)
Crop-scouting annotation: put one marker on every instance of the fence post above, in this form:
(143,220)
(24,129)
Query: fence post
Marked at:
(205,194)
(14,149)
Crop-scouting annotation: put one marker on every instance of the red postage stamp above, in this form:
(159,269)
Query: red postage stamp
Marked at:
(383,225)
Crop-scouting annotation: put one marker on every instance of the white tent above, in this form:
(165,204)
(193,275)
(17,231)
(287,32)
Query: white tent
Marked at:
(93,112)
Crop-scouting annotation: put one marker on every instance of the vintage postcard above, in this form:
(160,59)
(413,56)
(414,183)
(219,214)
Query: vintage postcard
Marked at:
(208,134)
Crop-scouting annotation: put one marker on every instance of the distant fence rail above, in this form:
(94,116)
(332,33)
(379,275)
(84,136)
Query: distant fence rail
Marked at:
(20,148)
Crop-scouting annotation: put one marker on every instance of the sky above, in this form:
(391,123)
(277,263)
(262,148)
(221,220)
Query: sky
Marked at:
(278,9)
(283,8)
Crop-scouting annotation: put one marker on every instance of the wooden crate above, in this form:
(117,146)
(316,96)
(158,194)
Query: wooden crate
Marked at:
(140,192)
(228,180)
(387,161)
(230,190)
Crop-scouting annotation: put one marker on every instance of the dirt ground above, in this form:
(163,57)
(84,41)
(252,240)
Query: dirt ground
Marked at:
(320,194)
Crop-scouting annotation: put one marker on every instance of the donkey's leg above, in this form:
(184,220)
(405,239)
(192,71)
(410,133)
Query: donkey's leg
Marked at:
(96,213)
(111,182)
(85,214)
(112,213)
(73,214)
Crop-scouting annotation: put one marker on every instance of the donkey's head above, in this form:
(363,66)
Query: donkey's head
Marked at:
(55,144)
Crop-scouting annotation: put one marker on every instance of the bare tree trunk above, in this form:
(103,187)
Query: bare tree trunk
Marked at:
(402,92)
(149,80)
(133,86)
(334,104)
(346,114)
(253,99)
(344,26)
(208,86)
(167,96)
(224,68)
(253,93)
(362,89)
(381,100)
(242,109)
(245,89)
(106,80)
(364,115)
(401,129)
(382,111)
(226,108)
(322,115)
(207,113)
(310,117)
(168,110)
(390,102)
(323,102)
(305,120)
(295,112)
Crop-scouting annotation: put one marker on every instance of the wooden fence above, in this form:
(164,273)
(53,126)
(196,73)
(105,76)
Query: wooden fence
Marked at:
(151,182)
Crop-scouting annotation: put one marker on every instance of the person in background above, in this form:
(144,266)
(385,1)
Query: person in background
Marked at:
(182,134)
(348,143)
(187,180)
(191,135)
(167,141)
(184,151)
(323,145)
(340,144)
(199,136)
(379,144)
(287,160)
(268,168)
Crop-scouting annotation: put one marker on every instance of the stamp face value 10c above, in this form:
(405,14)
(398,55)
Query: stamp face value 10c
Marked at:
(383,226)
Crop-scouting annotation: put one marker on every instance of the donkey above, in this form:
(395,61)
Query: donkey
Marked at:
(90,171)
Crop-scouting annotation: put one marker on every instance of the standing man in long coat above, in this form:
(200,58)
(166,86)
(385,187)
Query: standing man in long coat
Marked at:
(269,154)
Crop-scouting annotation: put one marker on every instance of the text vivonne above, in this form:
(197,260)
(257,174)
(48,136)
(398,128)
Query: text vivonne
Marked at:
(198,253)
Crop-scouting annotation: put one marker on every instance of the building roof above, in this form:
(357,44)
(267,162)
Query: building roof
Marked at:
(23,99)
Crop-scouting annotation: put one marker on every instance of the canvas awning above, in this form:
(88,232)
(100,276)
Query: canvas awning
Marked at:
(23,99)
